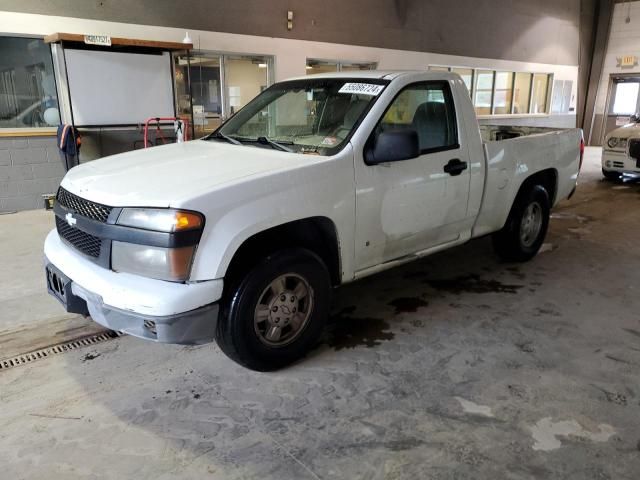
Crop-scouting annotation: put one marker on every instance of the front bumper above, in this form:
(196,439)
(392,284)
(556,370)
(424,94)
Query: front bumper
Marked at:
(188,328)
(613,161)
(156,310)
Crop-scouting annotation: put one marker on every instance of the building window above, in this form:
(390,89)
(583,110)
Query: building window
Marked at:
(625,100)
(539,93)
(503,93)
(220,85)
(483,92)
(27,86)
(522,92)
(328,66)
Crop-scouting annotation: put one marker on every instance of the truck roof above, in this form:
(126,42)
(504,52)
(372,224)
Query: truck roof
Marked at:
(381,74)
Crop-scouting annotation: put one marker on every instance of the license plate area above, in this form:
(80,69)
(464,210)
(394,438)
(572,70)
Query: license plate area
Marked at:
(59,286)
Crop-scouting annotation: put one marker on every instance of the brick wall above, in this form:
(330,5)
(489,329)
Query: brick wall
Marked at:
(29,168)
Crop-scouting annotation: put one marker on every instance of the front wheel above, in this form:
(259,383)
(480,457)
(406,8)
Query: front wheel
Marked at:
(526,227)
(277,313)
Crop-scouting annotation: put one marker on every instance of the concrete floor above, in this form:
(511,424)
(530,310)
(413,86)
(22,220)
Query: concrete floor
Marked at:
(29,318)
(453,367)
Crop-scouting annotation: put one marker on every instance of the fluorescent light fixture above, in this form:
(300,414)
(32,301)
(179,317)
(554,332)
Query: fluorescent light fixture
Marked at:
(262,65)
(308,67)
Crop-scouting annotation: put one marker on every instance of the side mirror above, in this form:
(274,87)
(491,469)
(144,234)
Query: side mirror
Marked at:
(393,146)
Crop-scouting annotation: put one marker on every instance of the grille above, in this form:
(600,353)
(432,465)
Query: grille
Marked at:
(618,164)
(92,210)
(86,243)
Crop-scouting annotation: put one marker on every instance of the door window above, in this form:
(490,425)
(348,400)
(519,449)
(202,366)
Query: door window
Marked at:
(626,98)
(428,109)
(203,71)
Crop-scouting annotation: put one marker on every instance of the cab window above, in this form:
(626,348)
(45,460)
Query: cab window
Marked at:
(428,109)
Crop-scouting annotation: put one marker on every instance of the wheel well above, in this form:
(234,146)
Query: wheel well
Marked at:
(317,234)
(547,178)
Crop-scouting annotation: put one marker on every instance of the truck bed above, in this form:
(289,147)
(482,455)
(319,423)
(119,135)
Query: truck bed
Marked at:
(506,132)
(510,161)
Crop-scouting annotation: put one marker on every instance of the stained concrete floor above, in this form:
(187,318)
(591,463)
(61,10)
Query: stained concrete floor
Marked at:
(454,367)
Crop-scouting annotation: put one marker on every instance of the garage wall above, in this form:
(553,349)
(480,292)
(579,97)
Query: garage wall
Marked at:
(542,31)
(29,168)
(624,39)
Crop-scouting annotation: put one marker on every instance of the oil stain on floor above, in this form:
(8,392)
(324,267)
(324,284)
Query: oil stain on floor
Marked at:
(473,284)
(352,332)
(407,304)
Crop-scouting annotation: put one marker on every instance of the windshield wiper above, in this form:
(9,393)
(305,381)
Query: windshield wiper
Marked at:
(226,137)
(278,145)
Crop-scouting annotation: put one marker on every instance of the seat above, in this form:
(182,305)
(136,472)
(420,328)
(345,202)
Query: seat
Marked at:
(334,114)
(430,121)
(356,107)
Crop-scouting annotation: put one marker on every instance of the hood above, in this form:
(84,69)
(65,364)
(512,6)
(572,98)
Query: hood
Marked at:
(169,175)
(626,131)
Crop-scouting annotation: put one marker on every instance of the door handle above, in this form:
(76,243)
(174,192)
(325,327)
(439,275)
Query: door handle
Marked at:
(455,167)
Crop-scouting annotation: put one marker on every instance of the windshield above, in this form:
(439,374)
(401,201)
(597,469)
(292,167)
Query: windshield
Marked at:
(303,116)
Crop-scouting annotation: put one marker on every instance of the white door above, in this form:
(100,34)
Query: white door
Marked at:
(407,206)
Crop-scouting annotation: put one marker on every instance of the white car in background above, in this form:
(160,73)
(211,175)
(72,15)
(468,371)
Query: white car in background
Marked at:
(619,157)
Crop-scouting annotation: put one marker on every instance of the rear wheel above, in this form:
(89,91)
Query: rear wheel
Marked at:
(277,313)
(526,227)
(611,175)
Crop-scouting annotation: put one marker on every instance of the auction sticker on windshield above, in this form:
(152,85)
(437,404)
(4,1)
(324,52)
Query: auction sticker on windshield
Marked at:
(361,88)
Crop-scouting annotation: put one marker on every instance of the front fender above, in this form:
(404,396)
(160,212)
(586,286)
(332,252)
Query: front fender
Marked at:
(323,188)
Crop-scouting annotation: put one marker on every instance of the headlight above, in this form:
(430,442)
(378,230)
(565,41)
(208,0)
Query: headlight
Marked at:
(160,219)
(612,142)
(172,264)
(180,227)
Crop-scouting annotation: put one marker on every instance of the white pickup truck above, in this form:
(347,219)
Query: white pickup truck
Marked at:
(319,181)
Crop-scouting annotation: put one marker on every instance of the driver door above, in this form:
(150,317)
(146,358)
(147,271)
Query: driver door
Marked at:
(406,206)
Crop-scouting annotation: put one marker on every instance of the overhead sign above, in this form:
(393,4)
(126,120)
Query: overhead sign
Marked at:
(104,40)
(627,61)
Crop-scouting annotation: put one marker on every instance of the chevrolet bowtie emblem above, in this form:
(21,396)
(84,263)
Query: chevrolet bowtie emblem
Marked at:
(70,220)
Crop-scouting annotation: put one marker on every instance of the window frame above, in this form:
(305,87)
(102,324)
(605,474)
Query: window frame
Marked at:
(616,83)
(496,89)
(33,131)
(472,91)
(339,64)
(448,94)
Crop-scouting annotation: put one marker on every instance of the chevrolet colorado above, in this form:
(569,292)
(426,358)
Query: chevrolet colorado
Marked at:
(240,237)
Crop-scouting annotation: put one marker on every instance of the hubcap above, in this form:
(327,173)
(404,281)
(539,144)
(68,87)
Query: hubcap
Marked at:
(531,224)
(283,310)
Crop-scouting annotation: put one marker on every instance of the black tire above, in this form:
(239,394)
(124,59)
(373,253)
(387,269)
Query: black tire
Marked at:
(508,242)
(237,333)
(611,175)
